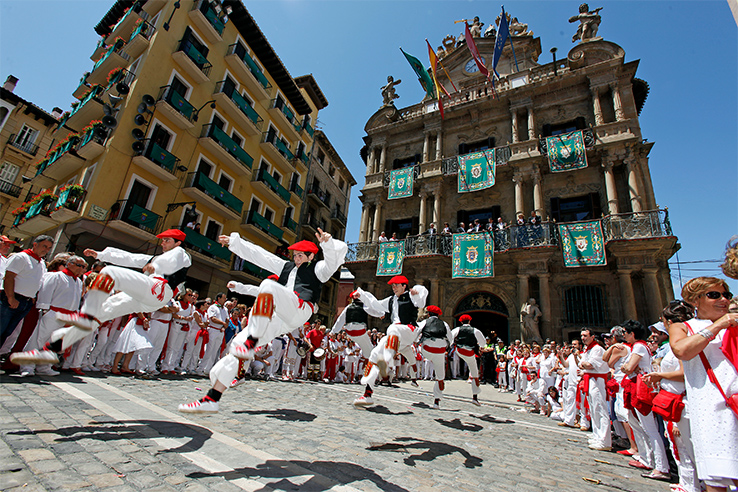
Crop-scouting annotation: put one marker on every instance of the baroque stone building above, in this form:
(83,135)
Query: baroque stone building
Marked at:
(593,89)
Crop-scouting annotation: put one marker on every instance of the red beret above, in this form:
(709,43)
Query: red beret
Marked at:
(7,240)
(273,277)
(465,318)
(305,247)
(175,234)
(398,279)
(434,310)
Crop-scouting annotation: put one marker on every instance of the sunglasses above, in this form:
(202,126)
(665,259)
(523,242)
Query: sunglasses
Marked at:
(713,294)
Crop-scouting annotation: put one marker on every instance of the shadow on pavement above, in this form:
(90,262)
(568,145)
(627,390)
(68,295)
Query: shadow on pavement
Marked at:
(457,424)
(285,414)
(432,451)
(341,472)
(386,411)
(491,419)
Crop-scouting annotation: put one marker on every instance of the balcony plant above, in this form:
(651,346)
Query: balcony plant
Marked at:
(113,76)
(75,190)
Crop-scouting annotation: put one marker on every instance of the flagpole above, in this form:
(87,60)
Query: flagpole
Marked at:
(517,69)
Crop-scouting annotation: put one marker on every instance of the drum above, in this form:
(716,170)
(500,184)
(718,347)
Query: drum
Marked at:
(302,350)
(319,354)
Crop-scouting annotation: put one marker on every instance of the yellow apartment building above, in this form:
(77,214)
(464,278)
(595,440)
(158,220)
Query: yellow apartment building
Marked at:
(187,117)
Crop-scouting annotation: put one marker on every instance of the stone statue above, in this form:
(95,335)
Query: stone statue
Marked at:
(589,23)
(476,27)
(518,28)
(529,316)
(449,44)
(388,91)
(490,32)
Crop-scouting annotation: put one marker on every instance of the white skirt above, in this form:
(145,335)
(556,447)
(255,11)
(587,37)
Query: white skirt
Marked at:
(132,338)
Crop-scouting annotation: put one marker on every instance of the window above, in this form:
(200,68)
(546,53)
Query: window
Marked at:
(87,177)
(585,305)
(300,150)
(406,162)
(255,205)
(179,87)
(341,183)
(321,156)
(134,66)
(212,231)
(331,170)
(576,208)
(467,148)
(8,173)
(277,177)
(160,136)
(549,130)
(237,138)
(26,136)
(268,214)
(204,167)
(225,182)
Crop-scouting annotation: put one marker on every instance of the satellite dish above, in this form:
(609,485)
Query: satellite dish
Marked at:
(137,133)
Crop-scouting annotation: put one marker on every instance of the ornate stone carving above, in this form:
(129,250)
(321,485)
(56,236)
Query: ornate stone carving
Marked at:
(589,23)
(572,188)
(388,91)
(530,314)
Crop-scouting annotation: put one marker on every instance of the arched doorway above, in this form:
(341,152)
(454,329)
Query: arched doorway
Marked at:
(488,313)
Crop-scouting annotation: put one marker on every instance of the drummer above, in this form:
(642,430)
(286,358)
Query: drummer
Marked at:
(314,339)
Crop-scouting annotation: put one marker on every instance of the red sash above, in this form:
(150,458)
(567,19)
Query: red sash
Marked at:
(465,352)
(434,350)
(355,333)
(202,332)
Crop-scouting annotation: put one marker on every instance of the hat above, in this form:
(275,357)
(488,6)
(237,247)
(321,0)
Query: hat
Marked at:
(175,234)
(273,277)
(7,240)
(434,310)
(305,247)
(465,318)
(398,279)
(659,327)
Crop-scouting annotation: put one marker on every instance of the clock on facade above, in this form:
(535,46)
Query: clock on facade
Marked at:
(471,65)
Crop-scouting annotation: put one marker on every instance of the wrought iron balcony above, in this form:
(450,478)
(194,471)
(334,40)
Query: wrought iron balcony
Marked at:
(10,189)
(177,101)
(240,51)
(264,176)
(241,265)
(289,223)
(258,220)
(242,104)
(206,8)
(637,225)
(227,143)
(450,165)
(23,145)
(587,134)
(215,191)
(319,195)
(188,48)
(205,245)
(295,187)
(160,156)
(136,215)
(339,216)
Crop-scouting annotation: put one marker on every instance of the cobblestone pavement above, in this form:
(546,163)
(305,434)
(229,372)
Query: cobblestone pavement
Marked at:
(125,434)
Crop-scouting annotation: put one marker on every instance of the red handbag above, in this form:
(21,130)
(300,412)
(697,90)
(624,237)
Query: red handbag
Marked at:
(628,388)
(668,405)
(643,396)
(612,387)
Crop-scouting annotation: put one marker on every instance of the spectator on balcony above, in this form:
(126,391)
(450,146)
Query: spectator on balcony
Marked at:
(461,229)
(446,229)
(22,280)
(490,225)
(521,220)
(432,231)
(394,237)
(475,226)
(382,237)
(500,225)
(534,218)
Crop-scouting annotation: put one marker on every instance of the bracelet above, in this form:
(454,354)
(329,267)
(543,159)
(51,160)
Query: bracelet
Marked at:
(707,334)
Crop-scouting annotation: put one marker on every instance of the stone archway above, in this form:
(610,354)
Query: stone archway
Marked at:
(489,313)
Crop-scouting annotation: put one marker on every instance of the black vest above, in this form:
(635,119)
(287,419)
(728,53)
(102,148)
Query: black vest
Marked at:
(465,337)
(307,284)
(355,313)
(177,278)
(408,313)
(434,329)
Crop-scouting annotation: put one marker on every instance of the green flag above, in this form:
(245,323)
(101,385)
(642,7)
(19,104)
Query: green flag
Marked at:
(583,244)
(473,255)
(476,171)
(390,257)
(566,152)
(401,183)
(423,77)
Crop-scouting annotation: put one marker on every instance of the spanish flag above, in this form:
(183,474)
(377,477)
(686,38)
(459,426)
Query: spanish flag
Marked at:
(434,65)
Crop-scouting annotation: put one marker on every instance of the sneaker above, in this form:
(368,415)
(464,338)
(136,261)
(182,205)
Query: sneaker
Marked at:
(476,403)
(26,374)
(363,401)
(199,406)
(46,371)
(240,351)
(83,321)
(237,382)
(436,406)
(77,371)
(414,384)
(34,357)
(600,448)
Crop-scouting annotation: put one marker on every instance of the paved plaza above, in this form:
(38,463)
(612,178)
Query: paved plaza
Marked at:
(125,434)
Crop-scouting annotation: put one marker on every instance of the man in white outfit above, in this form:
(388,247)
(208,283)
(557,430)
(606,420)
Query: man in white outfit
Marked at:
(178,331)
(469,341)
(571,381)
(217,323)
(354,319)
(280,306)
(402,308)
(594,371)
(435,339)
(60,292)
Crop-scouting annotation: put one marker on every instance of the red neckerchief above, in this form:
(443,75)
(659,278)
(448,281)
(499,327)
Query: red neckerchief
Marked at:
(32,254)
(184,305)
(68,272)
(589,346)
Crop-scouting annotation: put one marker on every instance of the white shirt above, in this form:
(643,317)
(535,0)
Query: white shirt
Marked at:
(644,365)
(28,273)
(341,320)
(477,334)
(371,302)
(594,355)
(219,312)
(59,290)
(164,264)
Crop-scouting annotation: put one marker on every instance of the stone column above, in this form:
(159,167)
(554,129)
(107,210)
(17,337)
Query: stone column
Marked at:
(531,124)
(627,297)
(435,293)
(364,220)
(518,180)
(377,221)
(439,145)
(616,102)
(599,120)
(668,286)
(612,192)
(538,194)
(371,161)
(421,218)
(633,187)
(383,158)
(426,145)
(545,303)
(515,136)
(437,209)
(653,294)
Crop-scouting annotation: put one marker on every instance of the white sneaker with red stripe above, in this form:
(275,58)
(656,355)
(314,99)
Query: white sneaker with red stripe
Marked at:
(199,406)
(364,401)
(78,319)
(34,357)
(240,351)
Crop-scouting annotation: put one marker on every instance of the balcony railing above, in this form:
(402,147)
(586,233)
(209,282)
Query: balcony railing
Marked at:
(637,225)
(10,189)
(212,131)
(213,189)
(177,101)
(188,48)
(263,176)
(205,245)
(309,129)
(241,265)
(302,156)
(295,187)
(240,51)
(70,200)
(278,103)
(137,216)
(27,147)
(281,147)
(315,223)
(587,134)
(254,218)
(115,48)
(319,194)
(239,101)
(339,216)
(160,156)
(289,223)
(211,15)
(144,29)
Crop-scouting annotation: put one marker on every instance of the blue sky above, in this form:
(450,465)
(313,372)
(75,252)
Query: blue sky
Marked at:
(687,50)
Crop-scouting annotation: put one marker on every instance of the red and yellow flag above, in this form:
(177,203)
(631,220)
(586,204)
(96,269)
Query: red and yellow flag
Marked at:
(434,65)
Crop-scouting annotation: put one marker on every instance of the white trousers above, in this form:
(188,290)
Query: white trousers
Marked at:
(157,337)
(289,313)
(191,356)
(471,362)
(570,403)
(681,446)
(599,413)
(139,293)
(363,341)
(439,364)
(175,346)
(212,351)
(651,450)
(46,325)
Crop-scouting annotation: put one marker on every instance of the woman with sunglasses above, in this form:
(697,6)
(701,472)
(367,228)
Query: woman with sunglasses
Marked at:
(714,425)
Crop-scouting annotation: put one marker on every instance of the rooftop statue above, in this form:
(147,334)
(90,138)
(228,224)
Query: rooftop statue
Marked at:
(518,28)
(388,91)
(589,23)
(475,28)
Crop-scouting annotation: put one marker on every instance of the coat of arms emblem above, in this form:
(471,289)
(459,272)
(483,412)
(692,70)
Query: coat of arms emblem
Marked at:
(476,170)
(581,243)
(472,254)
(390,257)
